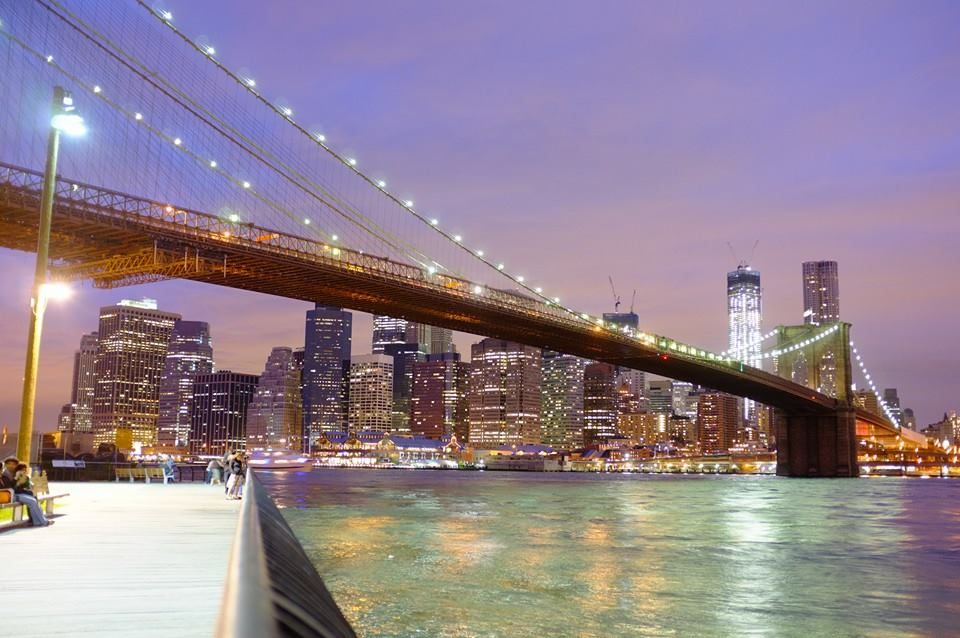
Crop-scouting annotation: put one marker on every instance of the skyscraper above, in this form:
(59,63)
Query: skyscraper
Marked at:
(717,421)
(275,414)
(504,398)
(326,368)
(600,396)
(371,393)
(561,412)
(441,340)
(821,292)
(131,354)
(438,403)
(821,304)
(405,356)
(744,312)
(892,400)
(684,397)
(80,413)
(219,419)
(387,330)
(189,353)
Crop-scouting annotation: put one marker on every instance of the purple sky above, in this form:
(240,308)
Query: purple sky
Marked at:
(580,140)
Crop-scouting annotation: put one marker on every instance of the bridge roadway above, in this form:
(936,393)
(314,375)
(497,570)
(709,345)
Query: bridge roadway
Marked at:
(117,239)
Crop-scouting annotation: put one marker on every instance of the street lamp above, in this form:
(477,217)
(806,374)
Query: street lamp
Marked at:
(63,119)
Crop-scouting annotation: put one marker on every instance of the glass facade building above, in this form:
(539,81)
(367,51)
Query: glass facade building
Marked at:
(371,393)
(325,370)
(189,353)
(219,420)
(274,415)
(438,402)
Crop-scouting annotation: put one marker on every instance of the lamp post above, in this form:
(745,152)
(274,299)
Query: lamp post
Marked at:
(63,119)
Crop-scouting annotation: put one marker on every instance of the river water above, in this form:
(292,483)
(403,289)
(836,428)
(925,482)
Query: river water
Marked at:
(447,553)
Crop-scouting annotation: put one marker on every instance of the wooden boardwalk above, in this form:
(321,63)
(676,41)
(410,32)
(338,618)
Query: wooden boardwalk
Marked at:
(123,560)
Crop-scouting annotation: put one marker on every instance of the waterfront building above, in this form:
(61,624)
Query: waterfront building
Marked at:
(132,343)
(682,429)
(717,421)
(325,371)
(504,394)
(821,292)
(189,353)
(599,403)
(438,401)
(660,396)
(371,393)
(77,416)
(219,420)
(405,356)
(275,414)
(561,400)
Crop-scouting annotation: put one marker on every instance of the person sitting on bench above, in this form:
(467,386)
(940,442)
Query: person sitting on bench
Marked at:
(22,492)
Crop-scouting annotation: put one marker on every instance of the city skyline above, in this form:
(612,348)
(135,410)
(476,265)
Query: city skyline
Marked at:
(886,201)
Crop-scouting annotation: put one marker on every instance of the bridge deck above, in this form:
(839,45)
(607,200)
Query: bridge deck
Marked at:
(126,560)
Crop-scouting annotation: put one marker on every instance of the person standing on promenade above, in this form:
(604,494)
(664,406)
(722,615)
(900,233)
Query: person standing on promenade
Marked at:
(21,494)
(237,468)
(213,472)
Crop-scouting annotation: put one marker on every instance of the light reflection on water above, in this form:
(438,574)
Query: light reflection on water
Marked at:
(457,554)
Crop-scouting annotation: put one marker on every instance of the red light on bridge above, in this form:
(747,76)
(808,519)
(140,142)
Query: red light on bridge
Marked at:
(664,357)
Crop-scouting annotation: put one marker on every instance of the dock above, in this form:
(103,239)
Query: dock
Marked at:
(122,559)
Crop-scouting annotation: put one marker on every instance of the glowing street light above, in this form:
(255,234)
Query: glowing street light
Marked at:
(63,120)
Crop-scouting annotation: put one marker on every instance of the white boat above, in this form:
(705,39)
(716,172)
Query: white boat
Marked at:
(280,460)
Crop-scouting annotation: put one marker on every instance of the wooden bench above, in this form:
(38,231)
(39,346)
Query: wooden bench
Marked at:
(7,503)
(145,473)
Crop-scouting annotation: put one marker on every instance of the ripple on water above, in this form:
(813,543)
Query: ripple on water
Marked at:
(456,554)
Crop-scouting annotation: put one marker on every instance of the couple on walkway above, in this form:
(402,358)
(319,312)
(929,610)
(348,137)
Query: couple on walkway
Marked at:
(16,477)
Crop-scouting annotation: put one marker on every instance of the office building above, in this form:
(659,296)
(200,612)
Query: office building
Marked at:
(78,414)
(660,396)
(275,414)
(684,398)
(867,400)
(892,399)
(438,402)
(405,356)
(132,343)
(562,400)
(218,423)
(599,403)
(325,371)
(504,395)
(189,353)
(636,380)
(821,292)
(371,393)
(388,330)
(717,421)
(744,313)
(441,340)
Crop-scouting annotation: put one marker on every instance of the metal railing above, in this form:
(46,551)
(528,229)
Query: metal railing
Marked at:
(272,587)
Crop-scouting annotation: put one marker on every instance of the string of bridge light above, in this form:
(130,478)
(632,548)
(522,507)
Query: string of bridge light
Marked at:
(176,141)
(344,209)
(286,112)
(801,344)
(759,341)
(863,368)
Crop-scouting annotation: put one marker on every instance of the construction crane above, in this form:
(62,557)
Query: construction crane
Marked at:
(616,297)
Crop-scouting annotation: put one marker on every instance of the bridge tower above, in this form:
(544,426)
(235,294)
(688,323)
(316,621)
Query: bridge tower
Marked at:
(812,444)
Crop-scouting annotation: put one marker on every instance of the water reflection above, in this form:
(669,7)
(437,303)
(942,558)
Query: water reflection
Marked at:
(500,554)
